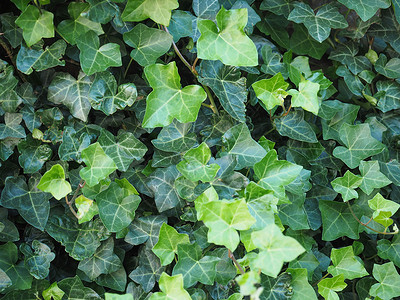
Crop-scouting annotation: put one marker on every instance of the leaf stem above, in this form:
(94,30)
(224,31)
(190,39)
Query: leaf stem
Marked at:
(178,52)
(231,256)
(326,275)
(70,203)
(210,97)
(127,68)
(9,54)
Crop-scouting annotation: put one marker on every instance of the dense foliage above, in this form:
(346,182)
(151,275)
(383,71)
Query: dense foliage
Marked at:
(206,149)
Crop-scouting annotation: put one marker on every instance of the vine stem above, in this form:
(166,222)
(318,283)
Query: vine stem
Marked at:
(326,275)
(70,203)
(365,224)
(231,256)
(9,54)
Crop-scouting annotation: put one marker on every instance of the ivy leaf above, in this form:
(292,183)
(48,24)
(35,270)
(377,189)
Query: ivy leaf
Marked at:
(306,97)
(346,263)
(32,204)
(347,54)
(319,25)
(9,233)
(5,281)
(72,145)
(94,58)
(167,245)
(53,292)
(99,164)
(359,144)
(11,31)
(238,141)
(78,24)
(104,96)
(390,249)
(227,42)
(380,205)
(302,43)
(180,25)
(37,258)
(329,286)
(278,7)
(103,11)
(53,181)
(35,57)
(372,177)
(366,9)
(194,166)
(123,149)
(11,128)
(294,126)
(36,24)
(172,287)
(117,205)
(194,266)
(73,288)
(387,29)
(145,230)
(87,209)
(33,155)
(346,185)
(274,250)
(159,11)
(227,84)
(388,68)
(223,218)
(167,100)
(148,43)
(302,289)
(388,93)
(337,221)
(272,91)
(387,277)
(103,261)
(73,93)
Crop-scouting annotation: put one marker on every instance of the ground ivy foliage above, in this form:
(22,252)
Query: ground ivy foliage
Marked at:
(199,149)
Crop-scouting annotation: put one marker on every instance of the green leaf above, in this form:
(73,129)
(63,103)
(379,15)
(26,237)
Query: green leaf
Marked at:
(167,245)
(387,29)
(167,100)
(37,258)
(227,84)
(347,54)
(194,266)
(172,287)
(12,127)
(145,230)
(248,282)
(302,43)
(11,31)
(223,218)
(103,261)
(53,292)
(33,155)
(294,126)
(87,209)
(366,9)
(337,221)
(159,10)
(346,185)
(319,25)
(53,181)
(278,7)
(99,164)
(9,232)
(94,58)
(388,93)
(359,144)
(72,145)
(390,249)
(301,287)
(272,91)
(32,204)
(78,24)
(306,97)
(238,141)
(372,177)
(117,205)
(180,25)
(5,281)
(36,24)
(380,205)
(274,249)
(74,289)
(387,277)
(346,263)
(194,165)
(103,11)
(148,43)
(36,58)
(109,296)
(227,42)
(73,93)
(388,68)
(123,149)
(329,286)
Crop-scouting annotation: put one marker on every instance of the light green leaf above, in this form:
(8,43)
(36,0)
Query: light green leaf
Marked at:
(274,250)
(35,24)
(167,245)
(294,126)
(172,287)
(87,209)
(94,58)
(167,100)
(272,91)
(346,185)
(194,266)
(329,286)
(227,42)
(366,9)
(117,205)
(306,97)
(388,278)
(194,165)
(372,177)
(346,263)
(319,25)
(53,181)
(248,282)
(98,164)
(148,43)
(302,289)
(109,296)
(157,10)
(380,205)
(37,258)
(73,93)
(53,292)
(359,144)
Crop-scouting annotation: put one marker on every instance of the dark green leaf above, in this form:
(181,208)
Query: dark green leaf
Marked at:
(37,258)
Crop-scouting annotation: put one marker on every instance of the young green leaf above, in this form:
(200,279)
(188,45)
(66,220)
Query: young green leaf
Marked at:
(372,177)
(346,263)
(172,287)
(87,209)
(346,185)
(157,10)
(302,289)
(306,97)
(387,277)
(272,91)
(329,286)
(381,205)
(53,181)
